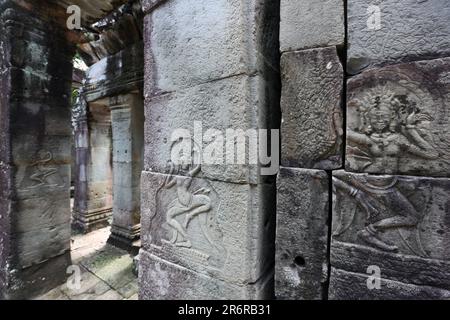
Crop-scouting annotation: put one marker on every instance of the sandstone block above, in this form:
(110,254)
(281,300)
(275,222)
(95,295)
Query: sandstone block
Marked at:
(301,270)
(397,224)
(207,112)
(162,280)
(189,42)
(224,230)
(311,128)
(386,32)
(309,24)
(398,120)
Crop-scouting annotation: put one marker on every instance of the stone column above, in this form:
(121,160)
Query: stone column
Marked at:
(93,184)
(127,113)
(311,32)
(35,135)
(207,231)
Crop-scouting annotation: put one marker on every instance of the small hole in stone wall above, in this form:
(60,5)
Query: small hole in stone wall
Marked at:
(299,261)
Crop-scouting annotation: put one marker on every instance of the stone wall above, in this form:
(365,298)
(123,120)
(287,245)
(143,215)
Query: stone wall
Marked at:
(391,208)
(388,234)
(360,91)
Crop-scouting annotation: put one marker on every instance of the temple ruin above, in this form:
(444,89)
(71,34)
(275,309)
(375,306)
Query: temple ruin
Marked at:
(349,101)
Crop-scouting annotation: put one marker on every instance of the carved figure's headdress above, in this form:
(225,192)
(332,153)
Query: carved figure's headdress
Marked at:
(379,100)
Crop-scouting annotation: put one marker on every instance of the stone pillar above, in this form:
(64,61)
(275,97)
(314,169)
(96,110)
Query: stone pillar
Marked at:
(127,113)
(93,184)
(35,135)
(311,33)
(207,231)
(391,227)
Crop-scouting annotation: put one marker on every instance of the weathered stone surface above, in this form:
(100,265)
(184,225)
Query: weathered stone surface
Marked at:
(213,236)
(353,286)
(214,64)
(93,185)
(309,24)
(226,231)
(398,119)
(237,103)
(396,223)
(393,31)
(30,282)
(162,280)
(127,113)
(116,74)
(35,151)
(301,270)
(311,97)
(189,42)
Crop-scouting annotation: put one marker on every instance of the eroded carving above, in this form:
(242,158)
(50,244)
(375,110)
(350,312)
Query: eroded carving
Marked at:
(42,173)
(188,203)
(186,209)
(396,124)
(376,195)
(393,214)
(389,126)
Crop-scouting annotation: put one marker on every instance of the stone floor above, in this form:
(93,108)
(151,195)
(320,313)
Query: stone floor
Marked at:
(106,271)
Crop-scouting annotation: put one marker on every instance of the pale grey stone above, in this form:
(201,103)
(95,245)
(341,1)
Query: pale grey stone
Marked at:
(94,177)
(226,231)
(398,119)
(398,224)
(353,286)
(237,103)
(301,270)
(190,42)
(346,285)
(407,30)
(310,24)
(311,129)
(162,280)
(127,113)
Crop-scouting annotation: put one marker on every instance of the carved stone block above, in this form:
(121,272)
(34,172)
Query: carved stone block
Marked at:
(217,229)
(311,128)
(392,31)
(310,24)
(399,118)
(353,286)
(162,280)
(207,113)
(395,225)
(301,270)
(189,42)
